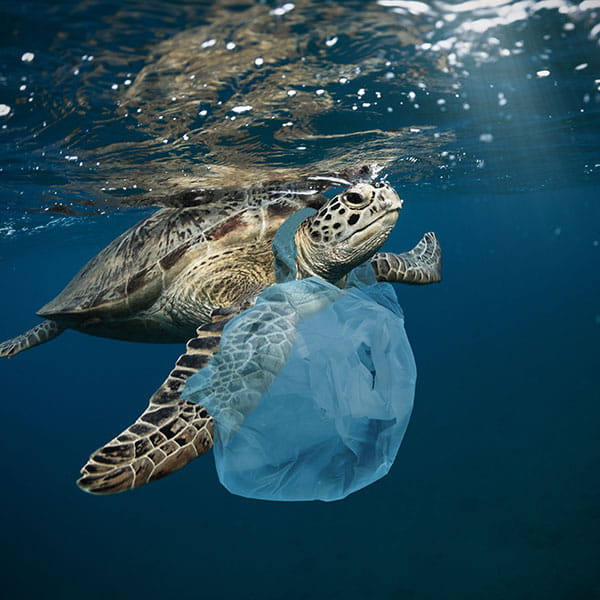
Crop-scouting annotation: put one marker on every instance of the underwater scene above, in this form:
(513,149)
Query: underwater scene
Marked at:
(468,131)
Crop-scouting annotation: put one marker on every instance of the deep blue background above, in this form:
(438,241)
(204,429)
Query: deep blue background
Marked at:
(495,491)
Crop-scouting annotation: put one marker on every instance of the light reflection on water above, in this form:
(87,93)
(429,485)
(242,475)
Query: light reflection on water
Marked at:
(164,97)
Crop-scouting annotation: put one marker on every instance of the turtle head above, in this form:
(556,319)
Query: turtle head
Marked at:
(346,231)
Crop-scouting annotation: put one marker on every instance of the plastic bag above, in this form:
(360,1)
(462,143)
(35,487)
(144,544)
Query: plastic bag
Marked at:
(312,388)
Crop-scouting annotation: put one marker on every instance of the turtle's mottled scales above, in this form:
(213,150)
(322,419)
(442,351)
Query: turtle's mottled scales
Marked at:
(170,433)
(121,269)
(141,286)
(43,332)
(422,265)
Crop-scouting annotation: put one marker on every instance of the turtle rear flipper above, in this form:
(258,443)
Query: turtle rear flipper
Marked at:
(43,332)
(170,433)
(161,441)
(419,266)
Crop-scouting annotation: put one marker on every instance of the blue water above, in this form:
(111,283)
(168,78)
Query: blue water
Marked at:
(496,489)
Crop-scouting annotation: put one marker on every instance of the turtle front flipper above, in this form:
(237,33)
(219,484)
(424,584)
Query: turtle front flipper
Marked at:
(419,266)
(170,433)
(43,332)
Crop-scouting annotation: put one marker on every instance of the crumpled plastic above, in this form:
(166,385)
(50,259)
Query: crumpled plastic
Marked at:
(312,389)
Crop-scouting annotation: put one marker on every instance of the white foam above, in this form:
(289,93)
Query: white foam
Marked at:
(410,6)
(282,10)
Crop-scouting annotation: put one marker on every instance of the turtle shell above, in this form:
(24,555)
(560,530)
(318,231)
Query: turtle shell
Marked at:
(133,270)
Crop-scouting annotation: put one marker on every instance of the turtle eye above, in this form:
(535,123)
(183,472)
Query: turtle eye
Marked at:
(353,198)
(379,184)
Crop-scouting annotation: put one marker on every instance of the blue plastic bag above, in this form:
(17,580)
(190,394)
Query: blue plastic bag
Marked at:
(312,388)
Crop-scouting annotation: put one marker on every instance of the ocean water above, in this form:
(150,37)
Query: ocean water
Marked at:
(485,116)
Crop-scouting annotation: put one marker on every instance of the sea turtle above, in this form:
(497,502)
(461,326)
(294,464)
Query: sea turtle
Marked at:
(182,273)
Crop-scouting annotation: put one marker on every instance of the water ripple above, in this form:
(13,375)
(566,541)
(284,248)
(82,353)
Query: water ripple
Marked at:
(159,98)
